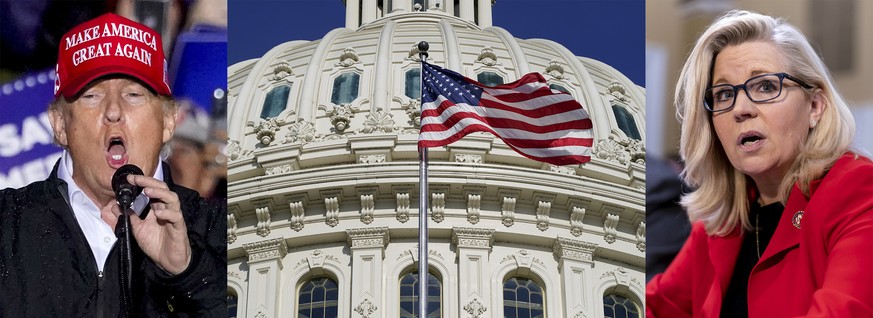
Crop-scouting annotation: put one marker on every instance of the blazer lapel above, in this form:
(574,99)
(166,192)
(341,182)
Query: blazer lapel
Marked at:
(723,253)
(787,236)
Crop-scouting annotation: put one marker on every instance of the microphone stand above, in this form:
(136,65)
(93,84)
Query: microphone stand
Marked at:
(126,273)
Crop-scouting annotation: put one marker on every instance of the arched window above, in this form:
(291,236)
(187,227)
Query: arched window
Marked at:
(618,306)
(523,297)
(345,88)
(413,83)
(489,79)
(231,304)
(409,296)
(275,101)
(559,88)
(318,299)
(626,122)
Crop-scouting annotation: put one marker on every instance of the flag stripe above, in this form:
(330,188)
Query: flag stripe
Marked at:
(447,109)
(532,119)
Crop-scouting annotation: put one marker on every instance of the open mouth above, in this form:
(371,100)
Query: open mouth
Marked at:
(116,152)
(749,141)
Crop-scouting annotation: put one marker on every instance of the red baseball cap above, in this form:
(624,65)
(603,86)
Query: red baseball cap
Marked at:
(110,44)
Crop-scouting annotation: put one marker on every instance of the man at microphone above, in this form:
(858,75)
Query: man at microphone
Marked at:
(60,254)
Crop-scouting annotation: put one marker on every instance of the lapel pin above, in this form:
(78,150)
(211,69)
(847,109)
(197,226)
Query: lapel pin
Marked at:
(796,219)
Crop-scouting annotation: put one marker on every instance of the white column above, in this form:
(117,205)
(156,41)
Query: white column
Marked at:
(484,13)
(575,263)
(367,246)
(265,262)
(467,10)
(352,9)
(474,247)
(368,13)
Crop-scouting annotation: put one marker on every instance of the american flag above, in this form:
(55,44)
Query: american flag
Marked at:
(538,122)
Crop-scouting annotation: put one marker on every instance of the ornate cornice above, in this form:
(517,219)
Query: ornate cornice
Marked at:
(565,248)
(472,237)
(272,249)
(368,237)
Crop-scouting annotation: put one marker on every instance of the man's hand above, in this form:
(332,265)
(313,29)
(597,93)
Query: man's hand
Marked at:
(162,235)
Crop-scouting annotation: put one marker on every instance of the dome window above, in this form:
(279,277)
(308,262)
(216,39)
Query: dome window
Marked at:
(232,300)
(489,79)
(615,306)
(409,295)
(523,297)
(626,122)
(413,83)
(345,88)
(318,298)
(275,101)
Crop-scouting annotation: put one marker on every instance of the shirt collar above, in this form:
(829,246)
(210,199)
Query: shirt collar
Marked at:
(65,172)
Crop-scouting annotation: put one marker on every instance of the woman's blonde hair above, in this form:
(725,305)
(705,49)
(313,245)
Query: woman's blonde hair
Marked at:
(721,198)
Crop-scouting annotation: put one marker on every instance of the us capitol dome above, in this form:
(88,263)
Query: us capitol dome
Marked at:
(323,179)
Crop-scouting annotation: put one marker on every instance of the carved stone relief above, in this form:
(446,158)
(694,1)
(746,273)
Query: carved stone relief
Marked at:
(380,120)
(265,250)
(402,207)
(348,58)
(331,214)
(263,215)
(474,202)
(266,129)
(577,214)
(366,308)
(641,237)
(231,228)
(508,211)
(609,228)
(475,308)
(543,209)
(438,207)
(296,215)
(367,208)
(300,131)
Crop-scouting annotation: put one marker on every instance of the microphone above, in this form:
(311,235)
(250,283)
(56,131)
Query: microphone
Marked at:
(125,192)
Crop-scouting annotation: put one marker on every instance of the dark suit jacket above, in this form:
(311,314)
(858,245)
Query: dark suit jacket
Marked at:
(822,269)
(47,268)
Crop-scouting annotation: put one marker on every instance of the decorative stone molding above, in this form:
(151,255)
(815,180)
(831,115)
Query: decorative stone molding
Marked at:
(623,151)
(475,308)
(301,131)
(413,110)
(317,259)
(348,58)
(379,120)
(260,314)
(266,129)
(468,158)
(609,228)
(555,69)
(372,158)
(368,237)
(507,213)
(235,151)
(581,314)
(286,168)
(297,215)
(577,214)
(234,274)
(487,57)
(272,249)
(568,170)
(402,207)
(367,208)
(438,207)
(621,276)
(366,308)
(618,91)
(231,228)
(472,237)
(282,73)
(263,214)
(565,248)
(413,253)
(331,213)
(543,209)
(413,52)
(641,237)
(474,202)
(340,115)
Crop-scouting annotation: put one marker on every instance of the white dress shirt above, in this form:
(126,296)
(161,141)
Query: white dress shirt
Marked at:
(100,236)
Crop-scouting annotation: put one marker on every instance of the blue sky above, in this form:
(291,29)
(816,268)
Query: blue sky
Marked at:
(611,31)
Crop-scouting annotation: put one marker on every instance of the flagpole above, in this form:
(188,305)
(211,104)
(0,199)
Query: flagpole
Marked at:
(423,46)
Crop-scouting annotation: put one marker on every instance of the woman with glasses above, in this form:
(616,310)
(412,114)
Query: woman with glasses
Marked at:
(782,209)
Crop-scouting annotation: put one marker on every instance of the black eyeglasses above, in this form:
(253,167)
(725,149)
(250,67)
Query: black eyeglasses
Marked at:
(759,89)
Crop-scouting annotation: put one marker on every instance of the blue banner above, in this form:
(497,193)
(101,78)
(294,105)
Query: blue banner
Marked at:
(27,153)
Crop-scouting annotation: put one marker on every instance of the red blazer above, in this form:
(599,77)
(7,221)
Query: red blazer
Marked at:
(823,269)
